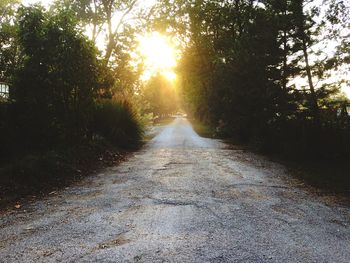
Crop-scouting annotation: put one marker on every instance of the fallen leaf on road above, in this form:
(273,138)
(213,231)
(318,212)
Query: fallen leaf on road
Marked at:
(17,206)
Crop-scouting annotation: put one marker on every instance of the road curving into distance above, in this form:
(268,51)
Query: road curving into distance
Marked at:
(181,198)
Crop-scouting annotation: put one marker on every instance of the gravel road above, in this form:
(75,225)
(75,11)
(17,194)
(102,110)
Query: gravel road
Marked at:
(181,198)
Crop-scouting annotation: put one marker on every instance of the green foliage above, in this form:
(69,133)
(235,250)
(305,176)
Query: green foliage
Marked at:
(56,86)
(237,71)
(9,58)
(5,131)
(101,14)
(58,80)
(118,123)
(159,97)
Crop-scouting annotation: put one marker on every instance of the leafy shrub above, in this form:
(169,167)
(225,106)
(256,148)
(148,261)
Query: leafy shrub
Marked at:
(118,123)
(55,87)
(5,133)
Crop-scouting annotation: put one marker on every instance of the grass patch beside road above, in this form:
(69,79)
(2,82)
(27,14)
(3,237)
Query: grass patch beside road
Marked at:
(203,129)
(163,121)
(39,173)
(328,175)
(153,128)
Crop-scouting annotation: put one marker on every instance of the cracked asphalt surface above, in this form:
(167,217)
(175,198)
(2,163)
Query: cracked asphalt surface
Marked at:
(181,198)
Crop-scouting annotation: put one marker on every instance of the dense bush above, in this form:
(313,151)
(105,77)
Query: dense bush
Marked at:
(4,131)
(117,122)
(55,122)
(56,87)
(302,139)
(54,127)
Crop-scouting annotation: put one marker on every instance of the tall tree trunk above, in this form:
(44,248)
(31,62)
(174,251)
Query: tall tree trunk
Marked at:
(304,45)
(110,44)
(94,30)
(285,54)
(313,97)
(112,35)
(109,50)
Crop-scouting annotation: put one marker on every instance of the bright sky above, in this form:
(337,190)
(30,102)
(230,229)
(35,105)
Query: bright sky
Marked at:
(43,2)
(46,3)
(159,55)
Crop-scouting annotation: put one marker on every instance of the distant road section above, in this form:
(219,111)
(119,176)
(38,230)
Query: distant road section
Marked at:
(181,198)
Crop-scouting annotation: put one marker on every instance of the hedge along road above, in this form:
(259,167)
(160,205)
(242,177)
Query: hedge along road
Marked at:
(182,198)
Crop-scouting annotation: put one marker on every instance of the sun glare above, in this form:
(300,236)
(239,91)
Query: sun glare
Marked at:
(159,56)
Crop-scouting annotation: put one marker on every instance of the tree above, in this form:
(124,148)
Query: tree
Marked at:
(229,64)
(303,38)
(100,15)
(9,58)
(161,97)
(59,80)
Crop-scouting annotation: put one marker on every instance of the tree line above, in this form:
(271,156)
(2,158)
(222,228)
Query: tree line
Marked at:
(76,99)
(71,77)
(259,71)
(59,83)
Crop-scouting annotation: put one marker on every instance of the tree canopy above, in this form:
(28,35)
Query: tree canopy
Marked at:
(266,72)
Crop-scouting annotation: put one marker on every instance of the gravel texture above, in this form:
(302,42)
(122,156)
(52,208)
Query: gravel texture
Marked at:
(181,198)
